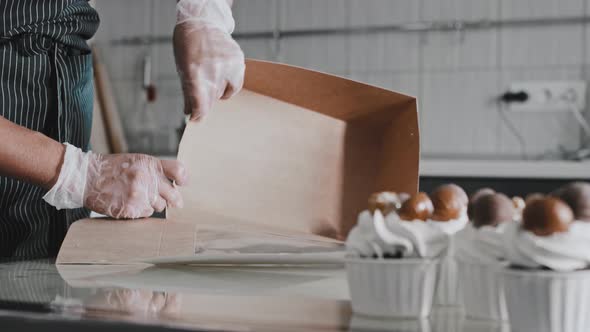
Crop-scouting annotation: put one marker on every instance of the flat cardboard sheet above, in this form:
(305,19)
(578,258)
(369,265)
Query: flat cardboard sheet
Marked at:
(211,241)
(296,153)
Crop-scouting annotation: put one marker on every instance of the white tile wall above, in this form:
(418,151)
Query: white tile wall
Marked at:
(388,51)
(440,10)
(264,12)
(456,76)
(308,14)
(542,46)
(382,12)
(163,63)
(164,15)
(131,19)
(586,77)
(317,52)
(542,132)
(541,8)
(458,112)
(407,83)
(474,49)
(263,49)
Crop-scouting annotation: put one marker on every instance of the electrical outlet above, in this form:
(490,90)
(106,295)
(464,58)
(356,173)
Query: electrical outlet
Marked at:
(549,96)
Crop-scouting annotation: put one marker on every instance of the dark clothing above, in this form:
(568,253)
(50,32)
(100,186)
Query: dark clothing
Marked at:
(46,85)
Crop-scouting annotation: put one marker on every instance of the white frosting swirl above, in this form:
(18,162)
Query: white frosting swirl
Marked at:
(375,235)
(452,226)
(388,197)
(481,245)
(568,251)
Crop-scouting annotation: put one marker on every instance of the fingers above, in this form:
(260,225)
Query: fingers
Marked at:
(201,94)
(135,186)
(170,194)
(131,212)
(175,171)
(234,85)
(159,205)
(198,100)
(229,92)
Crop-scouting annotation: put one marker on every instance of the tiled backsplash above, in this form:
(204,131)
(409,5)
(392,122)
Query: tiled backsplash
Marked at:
(455,75)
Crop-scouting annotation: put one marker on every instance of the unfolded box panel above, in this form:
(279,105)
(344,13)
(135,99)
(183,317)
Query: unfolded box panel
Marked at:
(300,149)
(296,152)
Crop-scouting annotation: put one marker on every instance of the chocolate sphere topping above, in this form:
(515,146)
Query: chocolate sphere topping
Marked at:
(449,202)
(546,216)
(385,201)
(533,196)
(577,196)
(493,209)
(417,207)
(480,193)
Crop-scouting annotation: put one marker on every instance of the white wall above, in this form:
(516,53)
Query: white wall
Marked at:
(454,75)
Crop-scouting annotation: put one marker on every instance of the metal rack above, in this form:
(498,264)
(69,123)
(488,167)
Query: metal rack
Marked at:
(444,26)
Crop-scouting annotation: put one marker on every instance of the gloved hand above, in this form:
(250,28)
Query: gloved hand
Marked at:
(137,302)
(118,185)
(210,63)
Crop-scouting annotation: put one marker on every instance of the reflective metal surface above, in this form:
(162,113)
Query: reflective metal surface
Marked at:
(37,295)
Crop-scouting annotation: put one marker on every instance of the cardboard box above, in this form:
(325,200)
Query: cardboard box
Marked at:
(296,151)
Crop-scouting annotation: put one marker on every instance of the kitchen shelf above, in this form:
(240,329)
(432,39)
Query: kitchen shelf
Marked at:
(514,169)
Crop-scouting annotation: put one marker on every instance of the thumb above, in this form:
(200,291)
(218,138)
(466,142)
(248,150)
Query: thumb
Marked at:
(198,101)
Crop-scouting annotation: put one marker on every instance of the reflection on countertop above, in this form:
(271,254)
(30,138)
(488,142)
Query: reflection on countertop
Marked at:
(202,298)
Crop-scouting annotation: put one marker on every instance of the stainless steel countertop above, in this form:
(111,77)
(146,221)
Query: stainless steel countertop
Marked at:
(193,298)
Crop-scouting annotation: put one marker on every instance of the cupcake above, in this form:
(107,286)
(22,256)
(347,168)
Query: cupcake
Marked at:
(547,283)
(480,193)
(450,216)
(385,201)
(480,256)
(392,263)
(519,205)
(577,196)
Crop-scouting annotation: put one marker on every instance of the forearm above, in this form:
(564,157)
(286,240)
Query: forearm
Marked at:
(28,155)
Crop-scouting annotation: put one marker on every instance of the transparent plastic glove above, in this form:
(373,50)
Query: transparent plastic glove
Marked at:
(143,303)
(210,63)
(118,185)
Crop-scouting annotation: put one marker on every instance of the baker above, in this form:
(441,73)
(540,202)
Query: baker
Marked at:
(48,176)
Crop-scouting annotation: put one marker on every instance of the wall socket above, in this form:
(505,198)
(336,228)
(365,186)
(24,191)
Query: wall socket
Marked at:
(549,96)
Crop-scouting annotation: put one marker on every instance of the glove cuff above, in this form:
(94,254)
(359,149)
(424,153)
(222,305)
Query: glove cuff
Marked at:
(212,13)
(68,191)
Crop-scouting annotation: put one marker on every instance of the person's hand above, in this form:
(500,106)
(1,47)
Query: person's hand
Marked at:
(132,185)
(137,302)
(119,185)
(210,63)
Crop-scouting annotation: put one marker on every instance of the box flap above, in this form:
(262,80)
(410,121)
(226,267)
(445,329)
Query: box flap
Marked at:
(299,149)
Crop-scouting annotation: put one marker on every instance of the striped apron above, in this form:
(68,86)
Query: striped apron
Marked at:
(45,85)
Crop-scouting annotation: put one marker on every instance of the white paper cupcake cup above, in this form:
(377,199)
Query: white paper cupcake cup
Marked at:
(482,291)
(395,288)
(365,323)
(447,320)
(447,286)
(547,301)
